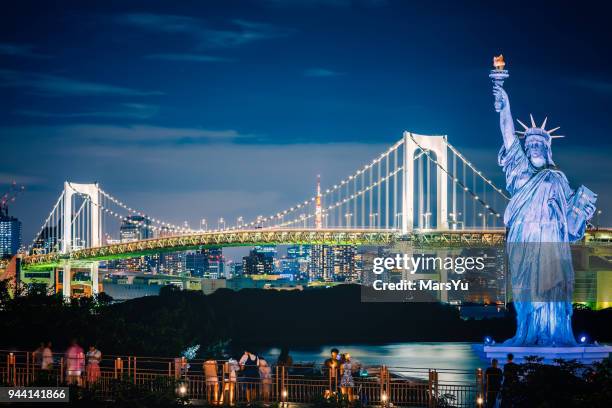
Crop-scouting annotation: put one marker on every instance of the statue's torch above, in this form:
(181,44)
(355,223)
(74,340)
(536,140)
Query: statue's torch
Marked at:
(498,75)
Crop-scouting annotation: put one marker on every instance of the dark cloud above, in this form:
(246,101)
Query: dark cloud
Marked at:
(235,33)
(124,110)
(53,85)
(599,86)
(119,137)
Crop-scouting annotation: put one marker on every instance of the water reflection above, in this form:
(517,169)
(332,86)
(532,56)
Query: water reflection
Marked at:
(454,361)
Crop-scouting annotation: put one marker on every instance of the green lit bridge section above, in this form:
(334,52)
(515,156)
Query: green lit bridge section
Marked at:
(216,239)
(358,237)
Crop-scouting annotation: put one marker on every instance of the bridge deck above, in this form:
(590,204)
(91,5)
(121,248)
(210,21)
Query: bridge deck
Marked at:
(305,236)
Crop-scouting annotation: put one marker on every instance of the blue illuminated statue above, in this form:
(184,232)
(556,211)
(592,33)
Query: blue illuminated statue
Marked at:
(543,216)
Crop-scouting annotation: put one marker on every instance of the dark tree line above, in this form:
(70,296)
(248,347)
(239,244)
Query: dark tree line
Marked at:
(165,325)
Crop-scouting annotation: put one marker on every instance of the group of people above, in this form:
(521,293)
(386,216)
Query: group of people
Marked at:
(77,362)
(340,366)
(252,370)
(499,384)
(253,373)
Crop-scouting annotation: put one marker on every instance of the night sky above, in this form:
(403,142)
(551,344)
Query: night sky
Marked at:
(191,109)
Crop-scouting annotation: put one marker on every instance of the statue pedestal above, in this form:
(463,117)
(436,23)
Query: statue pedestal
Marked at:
(587,354)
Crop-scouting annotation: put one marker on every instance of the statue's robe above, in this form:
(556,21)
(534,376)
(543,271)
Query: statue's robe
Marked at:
(539,255)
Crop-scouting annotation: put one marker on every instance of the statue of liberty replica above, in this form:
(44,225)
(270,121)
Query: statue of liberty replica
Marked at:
(543,217)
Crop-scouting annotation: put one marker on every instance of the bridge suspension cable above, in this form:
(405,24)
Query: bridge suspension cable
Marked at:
(455,180)
(410,186)
(372,197)
(142,214)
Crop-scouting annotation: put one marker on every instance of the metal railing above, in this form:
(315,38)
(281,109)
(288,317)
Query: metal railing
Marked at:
(304,383)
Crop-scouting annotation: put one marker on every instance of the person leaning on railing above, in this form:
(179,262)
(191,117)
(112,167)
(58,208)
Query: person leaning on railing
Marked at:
(265,373)
(75,359)
(47,357)
(212,380)
(93,364)
(231,368)
(332,366)
(38,354)
(249,364)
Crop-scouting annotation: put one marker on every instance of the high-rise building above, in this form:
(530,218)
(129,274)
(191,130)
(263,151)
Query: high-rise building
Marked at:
(205,262)
(195,263)
(234,270)
(297,261)
(215,268)
(135,228)
(260,261)
(321,263)
(333,263)
(345,267)
(173,263)
(10,234)
(298,252)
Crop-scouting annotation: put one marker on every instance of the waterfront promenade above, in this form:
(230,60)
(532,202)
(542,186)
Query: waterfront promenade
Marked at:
(301,383)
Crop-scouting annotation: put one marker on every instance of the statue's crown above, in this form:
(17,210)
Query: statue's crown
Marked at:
(538,131)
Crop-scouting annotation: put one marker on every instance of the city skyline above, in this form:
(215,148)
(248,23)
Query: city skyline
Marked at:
(191,97)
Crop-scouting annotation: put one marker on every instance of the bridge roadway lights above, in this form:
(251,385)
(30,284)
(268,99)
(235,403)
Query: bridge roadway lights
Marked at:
(261,237)
(241,238)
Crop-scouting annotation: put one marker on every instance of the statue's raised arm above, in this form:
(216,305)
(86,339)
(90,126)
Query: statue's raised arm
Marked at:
(502,105)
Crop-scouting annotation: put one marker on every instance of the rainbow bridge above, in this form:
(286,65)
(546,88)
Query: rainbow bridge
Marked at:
(421,190)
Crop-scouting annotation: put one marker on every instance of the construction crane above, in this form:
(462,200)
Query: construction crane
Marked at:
(9,197)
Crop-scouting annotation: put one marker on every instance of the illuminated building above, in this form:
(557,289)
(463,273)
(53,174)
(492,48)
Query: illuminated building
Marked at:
(135,228)
(173,263)
(206,262)
(196,263)
(260,261)
(145,263)
(321,263)
(345,267)
(334,263)
(297,261)
(10,235)
(215,267)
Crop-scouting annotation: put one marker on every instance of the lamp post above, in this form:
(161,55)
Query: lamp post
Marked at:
(398,220)
(373,219)
(203,224)
(221,222)
(484,219)
(348,219)
(239,222)
(453,217)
